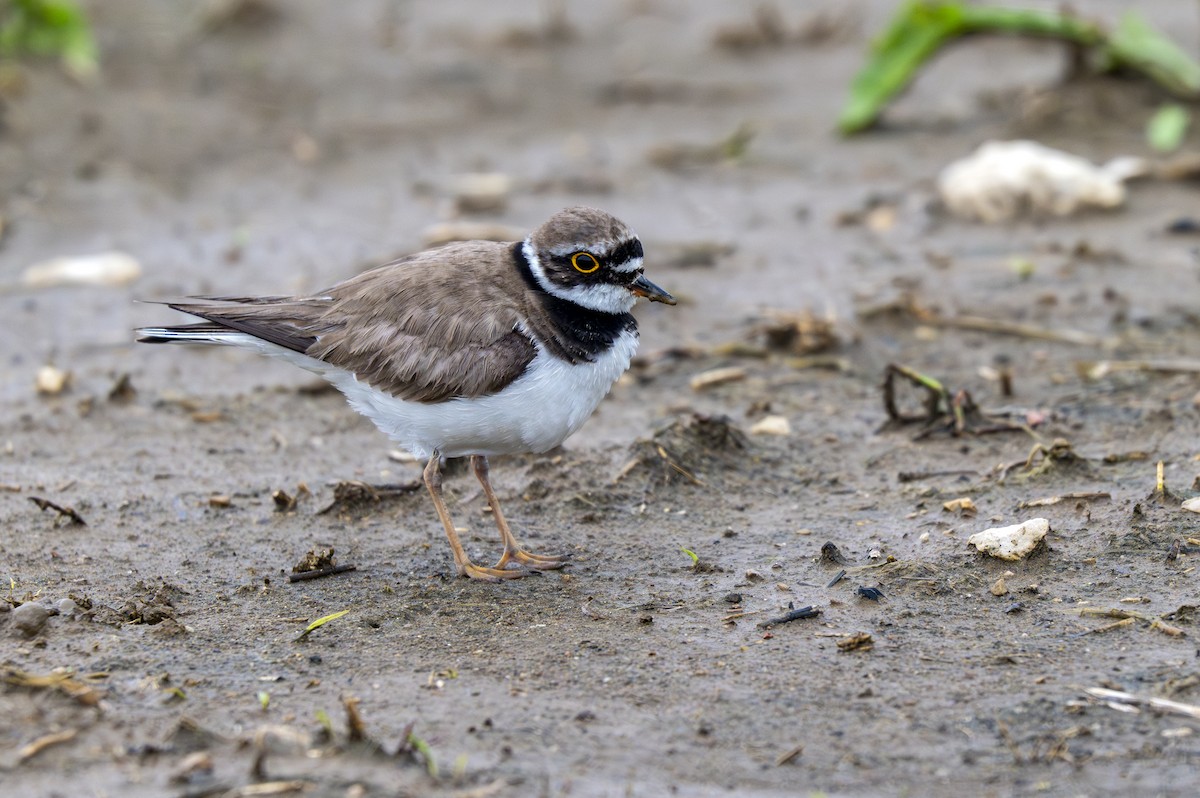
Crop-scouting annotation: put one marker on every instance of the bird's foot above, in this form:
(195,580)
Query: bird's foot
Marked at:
(484,574)
(536,562)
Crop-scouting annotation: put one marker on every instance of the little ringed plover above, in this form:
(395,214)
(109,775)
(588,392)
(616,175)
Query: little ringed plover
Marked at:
(473,349)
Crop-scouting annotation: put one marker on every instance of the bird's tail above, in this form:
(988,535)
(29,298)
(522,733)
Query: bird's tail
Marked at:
(200,333)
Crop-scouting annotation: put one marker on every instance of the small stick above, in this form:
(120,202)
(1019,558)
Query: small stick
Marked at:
(42,743)
(1108,627)
(1161,704)
(356,730)
(913,476)
(1082,495)
(735,615)
(788,756)
(63,512)
(319,572)
(1001,327)
(795,615)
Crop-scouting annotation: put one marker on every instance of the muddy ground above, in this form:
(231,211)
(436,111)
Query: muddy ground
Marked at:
(280,152)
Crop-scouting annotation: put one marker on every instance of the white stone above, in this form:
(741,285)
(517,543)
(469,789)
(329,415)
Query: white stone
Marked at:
(772,425)
(1002,179)
(1011,542)
(105,268)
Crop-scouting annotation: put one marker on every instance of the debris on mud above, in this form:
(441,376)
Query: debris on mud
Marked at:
(315,561)
(955,413)
(803,613)
(715,377)
(908,308)
(286,502)
(831,554)
(803,333)
(1123,701)
(65,681)
(154,605)
(687,448)
(1014,542)
(122,391)
(353,495)
(1043,458)
(1076,496)
(63,512)
(963,506)
(869,593)
(857,642)
(32,749)
(1127,617)
(317,564)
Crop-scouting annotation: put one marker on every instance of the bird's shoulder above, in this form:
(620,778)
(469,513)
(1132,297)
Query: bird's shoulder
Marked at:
(437,325)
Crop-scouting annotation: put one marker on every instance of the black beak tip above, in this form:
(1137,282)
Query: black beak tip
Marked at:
(643,287)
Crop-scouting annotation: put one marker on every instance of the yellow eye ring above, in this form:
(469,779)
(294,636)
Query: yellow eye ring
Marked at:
(585,262)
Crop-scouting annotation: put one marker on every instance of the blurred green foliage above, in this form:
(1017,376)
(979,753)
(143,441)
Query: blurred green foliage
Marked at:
(922,27)
(56,28)
(1167,128)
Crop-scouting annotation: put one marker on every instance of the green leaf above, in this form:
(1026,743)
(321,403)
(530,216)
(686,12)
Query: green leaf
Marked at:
(318,623)
(49,28)
(695,557)
(921,27)
(422,748)
(1135,45)
(1166,129)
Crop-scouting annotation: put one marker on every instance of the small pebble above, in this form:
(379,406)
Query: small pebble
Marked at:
(772,425)
(30,617)
(51,381)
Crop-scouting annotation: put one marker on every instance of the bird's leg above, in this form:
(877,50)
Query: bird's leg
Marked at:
(433,481)
(512,549)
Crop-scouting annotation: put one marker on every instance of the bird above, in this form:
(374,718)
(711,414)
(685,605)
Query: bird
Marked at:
(472,349)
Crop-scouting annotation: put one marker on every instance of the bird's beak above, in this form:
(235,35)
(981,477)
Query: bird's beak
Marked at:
(643,287)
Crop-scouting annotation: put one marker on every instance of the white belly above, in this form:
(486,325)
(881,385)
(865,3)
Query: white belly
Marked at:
(537,412)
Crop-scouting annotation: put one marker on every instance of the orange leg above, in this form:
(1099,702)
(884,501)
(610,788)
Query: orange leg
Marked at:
(512,549)
(433,481)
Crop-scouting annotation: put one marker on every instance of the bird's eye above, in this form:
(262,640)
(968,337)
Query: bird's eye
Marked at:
(585,262)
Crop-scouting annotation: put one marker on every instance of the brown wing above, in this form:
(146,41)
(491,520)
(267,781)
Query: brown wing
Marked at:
(428,328)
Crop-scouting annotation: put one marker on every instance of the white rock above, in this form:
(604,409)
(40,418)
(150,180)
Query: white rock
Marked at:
(771,425)
(1011,542)
(51,380)
(1004,178)
(105,268)
(1192,505)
